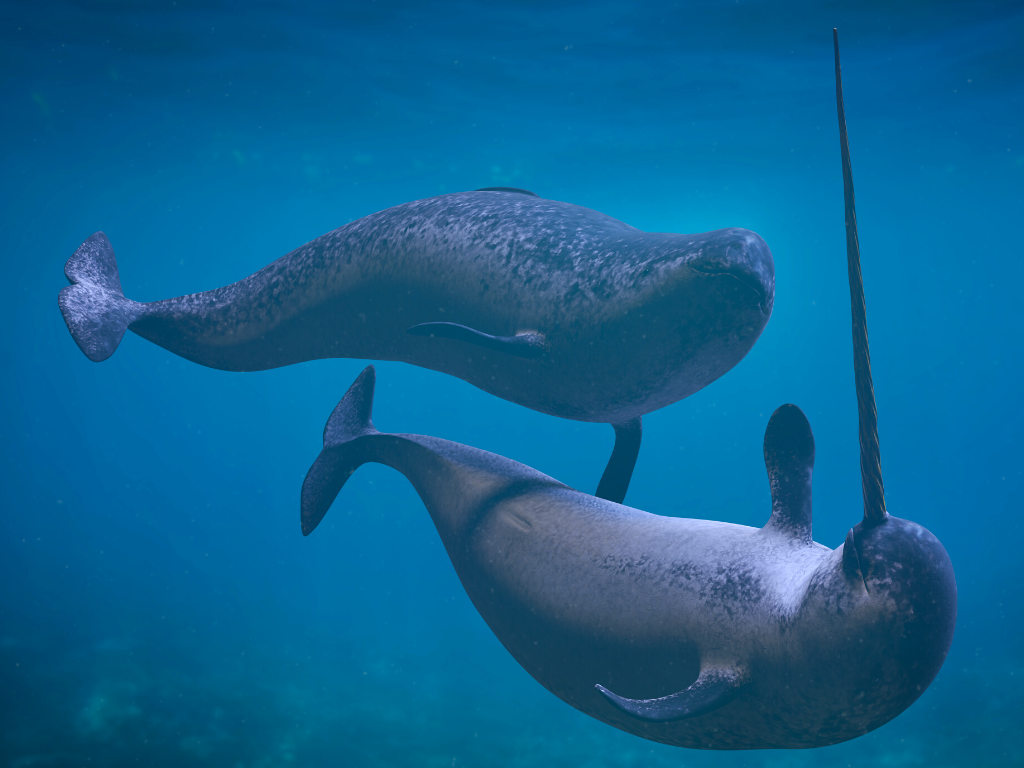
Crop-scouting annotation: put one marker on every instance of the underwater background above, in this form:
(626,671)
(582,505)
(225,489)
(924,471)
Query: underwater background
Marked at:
(159,605)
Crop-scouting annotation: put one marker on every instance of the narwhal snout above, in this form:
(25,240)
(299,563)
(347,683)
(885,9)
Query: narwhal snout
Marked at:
(907,570)
(744,257)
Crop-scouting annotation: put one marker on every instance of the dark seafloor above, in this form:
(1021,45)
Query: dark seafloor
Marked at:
(159,605)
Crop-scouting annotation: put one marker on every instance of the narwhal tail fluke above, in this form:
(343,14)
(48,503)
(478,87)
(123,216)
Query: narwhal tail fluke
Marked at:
(343,451)
(94,307)
(454,481)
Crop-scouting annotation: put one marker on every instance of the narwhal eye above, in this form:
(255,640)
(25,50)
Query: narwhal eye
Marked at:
(646,272)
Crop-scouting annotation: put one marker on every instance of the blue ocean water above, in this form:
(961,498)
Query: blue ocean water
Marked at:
(159,604)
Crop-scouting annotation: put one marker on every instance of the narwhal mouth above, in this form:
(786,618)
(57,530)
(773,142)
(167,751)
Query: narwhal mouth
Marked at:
(742,258)
(749,284)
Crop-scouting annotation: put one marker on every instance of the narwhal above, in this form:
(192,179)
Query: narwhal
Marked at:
(550,305)
(689,632)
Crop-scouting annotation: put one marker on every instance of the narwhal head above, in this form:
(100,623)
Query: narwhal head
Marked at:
(901,596)
(874,627)
(738,268)
(697,305)
(876,619)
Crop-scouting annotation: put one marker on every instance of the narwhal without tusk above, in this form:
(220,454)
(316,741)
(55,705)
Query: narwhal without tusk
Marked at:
(689,632)
(546,304)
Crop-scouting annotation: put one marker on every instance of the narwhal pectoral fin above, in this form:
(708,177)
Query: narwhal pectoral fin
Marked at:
(615,480)
(528,345)
(789,459)
(94,307)
(342,454)
(714,688)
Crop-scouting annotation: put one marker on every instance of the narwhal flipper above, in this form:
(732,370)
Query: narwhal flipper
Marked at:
(528,345)
(615,480)
(617,473)
(94,307)
(714,688)
(789,460)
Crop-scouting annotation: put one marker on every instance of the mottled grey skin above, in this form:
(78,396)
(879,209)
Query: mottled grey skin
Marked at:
(815,646)
(630,321)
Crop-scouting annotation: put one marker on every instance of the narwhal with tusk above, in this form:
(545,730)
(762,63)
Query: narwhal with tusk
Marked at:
(689,632)
(550,305)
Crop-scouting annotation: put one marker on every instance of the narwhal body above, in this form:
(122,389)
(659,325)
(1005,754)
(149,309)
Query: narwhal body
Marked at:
(550,305)
(711,635)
